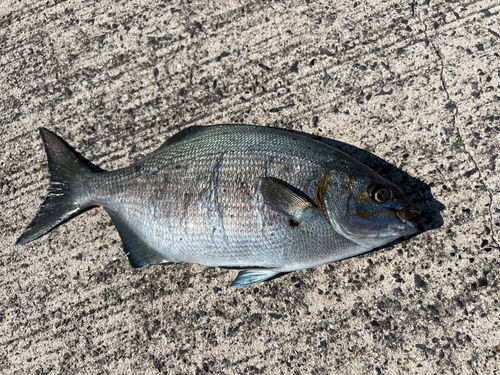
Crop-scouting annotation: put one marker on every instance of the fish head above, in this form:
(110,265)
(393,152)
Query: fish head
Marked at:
(364,207)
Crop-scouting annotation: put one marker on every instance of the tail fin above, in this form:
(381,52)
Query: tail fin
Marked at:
(68,171)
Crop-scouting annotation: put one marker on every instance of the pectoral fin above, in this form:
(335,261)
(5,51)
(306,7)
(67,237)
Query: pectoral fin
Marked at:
(139,253)
(250,277)
(284,198)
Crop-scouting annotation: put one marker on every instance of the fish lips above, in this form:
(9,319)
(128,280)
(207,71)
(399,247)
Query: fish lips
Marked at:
(406,213)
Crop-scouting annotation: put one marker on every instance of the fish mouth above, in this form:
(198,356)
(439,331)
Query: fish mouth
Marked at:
(406,213)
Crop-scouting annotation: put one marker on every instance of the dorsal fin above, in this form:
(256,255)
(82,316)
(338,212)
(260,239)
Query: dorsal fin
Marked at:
(182,135)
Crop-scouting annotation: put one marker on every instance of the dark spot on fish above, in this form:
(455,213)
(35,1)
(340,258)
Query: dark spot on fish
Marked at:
(293,223)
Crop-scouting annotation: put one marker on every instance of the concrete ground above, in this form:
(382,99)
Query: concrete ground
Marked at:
(412,89)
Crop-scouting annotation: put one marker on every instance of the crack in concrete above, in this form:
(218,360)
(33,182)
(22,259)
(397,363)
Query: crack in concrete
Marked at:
(460,138)
(461,141)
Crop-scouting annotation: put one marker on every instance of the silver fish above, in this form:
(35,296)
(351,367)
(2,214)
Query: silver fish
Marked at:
(261,200)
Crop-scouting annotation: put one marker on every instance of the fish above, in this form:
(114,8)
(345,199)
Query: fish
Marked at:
(260,200)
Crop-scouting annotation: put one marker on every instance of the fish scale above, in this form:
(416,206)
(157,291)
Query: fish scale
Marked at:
(237,196)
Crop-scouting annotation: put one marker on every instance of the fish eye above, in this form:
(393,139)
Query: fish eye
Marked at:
(380,193)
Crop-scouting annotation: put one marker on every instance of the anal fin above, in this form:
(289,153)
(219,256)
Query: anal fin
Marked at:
(254,276)
(139,253)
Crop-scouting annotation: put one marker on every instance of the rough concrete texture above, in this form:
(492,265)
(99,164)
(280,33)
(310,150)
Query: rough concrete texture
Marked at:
(410,89)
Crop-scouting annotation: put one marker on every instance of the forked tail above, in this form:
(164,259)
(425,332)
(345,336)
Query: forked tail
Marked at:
(68,172)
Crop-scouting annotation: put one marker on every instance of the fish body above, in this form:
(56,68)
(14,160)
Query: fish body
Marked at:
(261,200)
